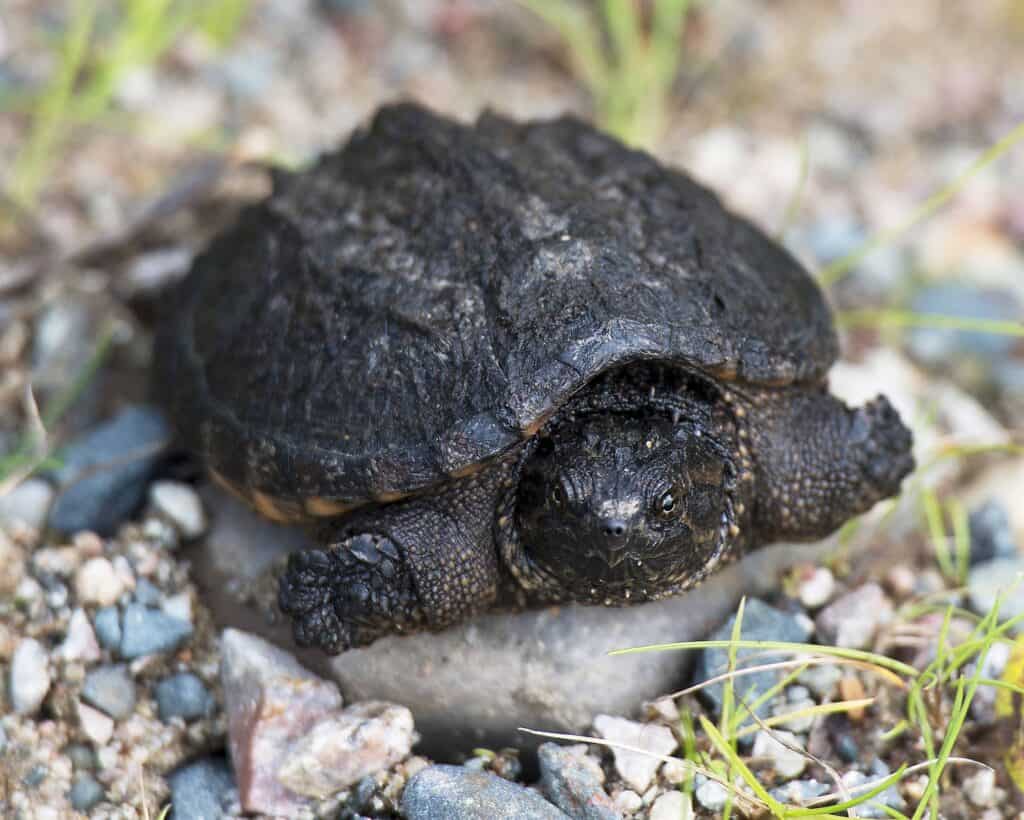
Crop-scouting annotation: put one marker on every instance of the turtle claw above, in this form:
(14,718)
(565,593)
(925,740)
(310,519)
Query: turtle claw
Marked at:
(348,595)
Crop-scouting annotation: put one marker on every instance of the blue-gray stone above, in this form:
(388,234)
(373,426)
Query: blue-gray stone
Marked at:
(146,593)
(572,785)
(183,695)
(456,793)
(111,690)
(104,473)
(939,346)
(146,631)
(760,623)
(85,793)
(198,789)
(107,622)
(991,533)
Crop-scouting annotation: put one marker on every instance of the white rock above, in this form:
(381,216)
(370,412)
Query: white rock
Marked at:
(817,590)
(635,767)
(178,606)
(628,801)
(363,739)
(98,727)
(712,795)
(773,746)
(96,582)
(27,504)
(672,806)
(675,771)
(80,643)
(30,676)
(852,620)
(980,787)
(180,503)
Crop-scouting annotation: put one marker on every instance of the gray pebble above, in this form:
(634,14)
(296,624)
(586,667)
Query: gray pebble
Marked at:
(36,775)
(82,756)
(800,792)
(198,789)
(570,782)
(107,622)
(146,593)
(455,793)
(181,505)
(111,690)
(183,695)
(145,631)
(760,622)
(991,533)
(27,503)
(104,473)
(711,794)
(85,793)
(987,580)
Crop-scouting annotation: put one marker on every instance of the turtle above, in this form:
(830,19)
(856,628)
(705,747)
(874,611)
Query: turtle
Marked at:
(504,364)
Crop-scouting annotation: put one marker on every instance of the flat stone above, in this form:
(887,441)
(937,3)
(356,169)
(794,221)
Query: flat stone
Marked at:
(711,794)
(571,779)
(476,683)
(146,631)
(198,789)
(111,690)
(98,727)
(183,695)
(635,767)
(180,504)
(339,751)
(271,701)
(456,793)
(85,793)
(761,622)
(104,473)
(107,622)
(852,620)
(29,676)
(672,806)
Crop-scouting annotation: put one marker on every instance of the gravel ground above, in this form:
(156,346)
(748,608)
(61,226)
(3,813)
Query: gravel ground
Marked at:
(112,672)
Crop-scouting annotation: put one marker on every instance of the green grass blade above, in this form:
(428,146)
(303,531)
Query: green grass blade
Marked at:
(886,317)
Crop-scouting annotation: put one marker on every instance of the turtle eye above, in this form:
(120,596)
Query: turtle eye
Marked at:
(667,503)
(557,495)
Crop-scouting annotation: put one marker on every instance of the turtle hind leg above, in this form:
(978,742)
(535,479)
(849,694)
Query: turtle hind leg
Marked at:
(818,462)
(421,563)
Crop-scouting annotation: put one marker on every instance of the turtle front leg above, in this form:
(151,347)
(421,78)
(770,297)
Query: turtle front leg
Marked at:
(418,564)
(816,462)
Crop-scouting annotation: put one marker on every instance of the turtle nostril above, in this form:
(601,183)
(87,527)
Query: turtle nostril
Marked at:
(615,528)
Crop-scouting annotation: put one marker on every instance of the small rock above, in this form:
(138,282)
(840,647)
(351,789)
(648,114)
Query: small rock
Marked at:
(986,581)
(98,727)
(851,688)
(179,606)
(817,588)
(81,756)
(940,347)
(183,695)
(104,473)
(983,704)
(636,768)
(96,582)
(675,771)
(27,504)
(339,751)
(991,535)
(198,790)
(901,581)
(30,676)
(270,701)
(80,643)
(179,503)
(862,783)
(672,806)
(801,723)
(980,788)
(852,620)
(146,631)
(146,593)
(840,735)
(800,792)
(111,690)
(455,793)
(85,793)
(12,566)
(572,780)
(628,802)
(760,622)
(774,747)
(108,627)
(711,794)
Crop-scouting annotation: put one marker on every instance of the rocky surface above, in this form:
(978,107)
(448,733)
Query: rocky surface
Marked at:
(455,793)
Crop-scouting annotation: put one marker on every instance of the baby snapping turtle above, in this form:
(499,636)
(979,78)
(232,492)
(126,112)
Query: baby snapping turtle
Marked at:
(506,363)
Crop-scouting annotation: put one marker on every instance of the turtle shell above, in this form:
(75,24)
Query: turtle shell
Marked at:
(425,298)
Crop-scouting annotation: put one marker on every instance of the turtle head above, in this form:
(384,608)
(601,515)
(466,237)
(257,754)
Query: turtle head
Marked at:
(623,506)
